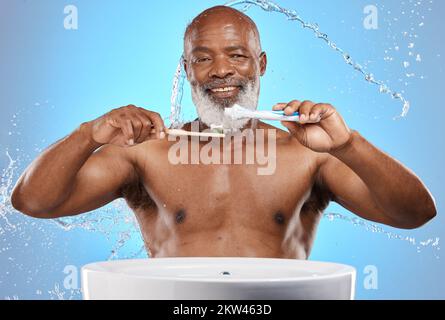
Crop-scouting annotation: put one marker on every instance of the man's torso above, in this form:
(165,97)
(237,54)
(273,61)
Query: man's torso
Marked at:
(227,209)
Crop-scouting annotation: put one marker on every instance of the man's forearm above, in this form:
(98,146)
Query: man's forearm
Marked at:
(395,188)
(49,178)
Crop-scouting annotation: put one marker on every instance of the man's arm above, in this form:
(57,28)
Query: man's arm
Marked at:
(375,186)
(362,178)
(70,178)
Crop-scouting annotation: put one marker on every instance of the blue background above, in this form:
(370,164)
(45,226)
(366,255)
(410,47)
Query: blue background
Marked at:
(52,79)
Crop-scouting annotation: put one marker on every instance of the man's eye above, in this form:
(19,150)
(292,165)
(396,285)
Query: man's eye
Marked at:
(238,56)
(202,59)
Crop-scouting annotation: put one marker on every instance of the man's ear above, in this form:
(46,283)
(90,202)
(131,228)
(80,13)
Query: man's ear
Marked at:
(263,63)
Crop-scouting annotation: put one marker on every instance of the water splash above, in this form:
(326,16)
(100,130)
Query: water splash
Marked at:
(5,194)
(116,222)
(432,243)
(117,219)
(118,225)
(63,294)
(21,237)
(291,15)
(176,96)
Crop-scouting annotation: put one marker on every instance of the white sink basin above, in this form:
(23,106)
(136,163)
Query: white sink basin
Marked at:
(217,278)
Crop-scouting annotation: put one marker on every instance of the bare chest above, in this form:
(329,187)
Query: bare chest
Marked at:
(196,196)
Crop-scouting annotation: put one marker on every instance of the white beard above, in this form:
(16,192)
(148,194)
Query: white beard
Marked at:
(213,115)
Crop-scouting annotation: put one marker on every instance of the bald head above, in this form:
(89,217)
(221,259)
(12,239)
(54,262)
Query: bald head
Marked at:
(226,18)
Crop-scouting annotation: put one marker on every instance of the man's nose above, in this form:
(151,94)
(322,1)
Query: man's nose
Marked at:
(221,68)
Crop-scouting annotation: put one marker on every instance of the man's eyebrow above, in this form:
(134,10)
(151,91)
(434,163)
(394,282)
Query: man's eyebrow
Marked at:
(201,48)
(233,48)
(229,48)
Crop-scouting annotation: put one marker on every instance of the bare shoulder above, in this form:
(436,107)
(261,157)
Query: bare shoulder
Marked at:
(108,150)
(110,156)
(280,133)
(154,149)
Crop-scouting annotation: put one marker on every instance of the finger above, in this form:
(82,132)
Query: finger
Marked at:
(297,130)
(304,110)
(158,124)
(279,106)
(113,122)
(120,123)
(290,125)
(129,132)
(317,111)
(146,127)
(137,126)
(292,107)
(136,123)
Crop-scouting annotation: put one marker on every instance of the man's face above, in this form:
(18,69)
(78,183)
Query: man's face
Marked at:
(223,61)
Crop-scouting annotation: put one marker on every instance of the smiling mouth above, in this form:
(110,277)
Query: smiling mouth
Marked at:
(229,92)
(224,89)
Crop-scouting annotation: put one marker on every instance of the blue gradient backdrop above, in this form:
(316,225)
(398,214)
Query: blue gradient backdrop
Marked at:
(127,51)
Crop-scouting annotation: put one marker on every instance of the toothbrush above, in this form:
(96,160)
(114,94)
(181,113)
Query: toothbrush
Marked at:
(238,112)
(180,132)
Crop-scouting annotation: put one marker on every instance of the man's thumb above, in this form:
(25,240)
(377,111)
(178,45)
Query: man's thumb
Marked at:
(297,130)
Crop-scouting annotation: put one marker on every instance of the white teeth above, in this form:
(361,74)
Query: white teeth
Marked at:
(223,89)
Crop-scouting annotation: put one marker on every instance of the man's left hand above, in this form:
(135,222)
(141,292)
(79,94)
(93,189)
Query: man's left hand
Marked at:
(330,133)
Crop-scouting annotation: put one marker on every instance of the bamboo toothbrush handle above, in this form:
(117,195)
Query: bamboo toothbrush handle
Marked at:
(180,132)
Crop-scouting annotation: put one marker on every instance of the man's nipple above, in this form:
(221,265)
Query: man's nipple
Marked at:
(180,216)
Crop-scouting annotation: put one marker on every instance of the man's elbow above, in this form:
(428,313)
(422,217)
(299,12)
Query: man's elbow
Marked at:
(19,202)
(420,217)
(430,209)
(425,217)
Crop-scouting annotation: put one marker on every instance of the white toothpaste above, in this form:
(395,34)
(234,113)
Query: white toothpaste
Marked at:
(238,112)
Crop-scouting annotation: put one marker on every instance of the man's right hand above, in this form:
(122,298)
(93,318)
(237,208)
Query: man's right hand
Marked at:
(127,126)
